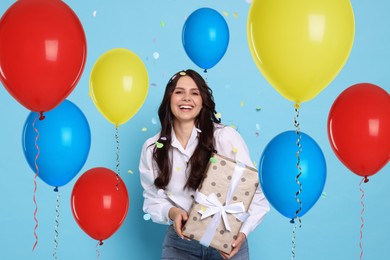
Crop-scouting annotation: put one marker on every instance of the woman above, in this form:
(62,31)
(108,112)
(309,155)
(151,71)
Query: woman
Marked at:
(173,162)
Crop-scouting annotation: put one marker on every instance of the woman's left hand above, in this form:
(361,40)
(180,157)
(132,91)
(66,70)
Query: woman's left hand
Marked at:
(236,246)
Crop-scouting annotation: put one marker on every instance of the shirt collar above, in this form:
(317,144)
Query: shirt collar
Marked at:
(193,137)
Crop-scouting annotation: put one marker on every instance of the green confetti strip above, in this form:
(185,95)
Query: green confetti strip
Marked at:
(213,160)
(159,145)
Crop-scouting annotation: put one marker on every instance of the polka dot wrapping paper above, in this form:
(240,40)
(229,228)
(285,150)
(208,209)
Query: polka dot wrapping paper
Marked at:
(231,183)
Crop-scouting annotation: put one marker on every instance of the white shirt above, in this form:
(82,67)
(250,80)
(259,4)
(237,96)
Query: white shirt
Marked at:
(158,202)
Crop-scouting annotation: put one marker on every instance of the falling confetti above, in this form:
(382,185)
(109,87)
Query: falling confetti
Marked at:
(218,115)
(178,169)
(226,14)
(248,1)
(153,84)
(258,126)
(159,145)
(130,172)
(144,129)
(156,55)
(235,15)
(324,195)
(258,109)
(94,13)
(241,103)
(213,160)
(147,217)
(235,150)
(162,24)
(203,209)
(154,121)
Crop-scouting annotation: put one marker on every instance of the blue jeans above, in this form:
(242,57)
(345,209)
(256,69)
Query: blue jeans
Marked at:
(181,249)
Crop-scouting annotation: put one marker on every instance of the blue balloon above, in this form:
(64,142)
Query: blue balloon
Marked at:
(205,37)
(278,172)
(64,141)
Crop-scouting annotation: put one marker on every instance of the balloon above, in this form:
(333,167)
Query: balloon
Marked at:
(64,141)
(278,172)
(98,207)
(359,128)
(205,37)
(42,52)
(300,46)
(118,85)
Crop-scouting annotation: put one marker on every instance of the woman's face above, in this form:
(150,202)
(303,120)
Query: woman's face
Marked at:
(186,101)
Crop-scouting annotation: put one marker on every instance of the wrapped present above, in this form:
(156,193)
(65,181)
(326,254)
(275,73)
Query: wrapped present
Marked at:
(221,203)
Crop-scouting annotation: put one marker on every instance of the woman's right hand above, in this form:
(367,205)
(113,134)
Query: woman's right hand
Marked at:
(179,217)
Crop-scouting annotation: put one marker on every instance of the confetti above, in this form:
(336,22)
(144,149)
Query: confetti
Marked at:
(248,1)
(324,195)
(154,121)
(153,84)
(218,115)
(241,103)
(147,217)
(235,15)
(94,13)
(163,138)
(159,145)
(162,24)
(203,209)
(182,73)
(258,109)
(226,14)
(213,160)
(178,169)
(156,55)
(258,126)
(130,171)
(235,150)
(144,129)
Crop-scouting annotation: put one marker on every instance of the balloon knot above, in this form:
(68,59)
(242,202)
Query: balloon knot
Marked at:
(366,179)
(41,116)
(56,189)
(297,105)
(205,71)
(100,242)
(292,221)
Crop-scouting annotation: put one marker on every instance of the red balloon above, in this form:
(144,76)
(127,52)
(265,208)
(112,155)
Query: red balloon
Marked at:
(359,128)
(42,52)
(98,207)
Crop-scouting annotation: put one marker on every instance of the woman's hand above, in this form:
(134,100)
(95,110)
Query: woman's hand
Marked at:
(178,216)
(236,246)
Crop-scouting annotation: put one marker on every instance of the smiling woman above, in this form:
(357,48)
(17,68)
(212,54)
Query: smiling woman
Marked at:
(174,161)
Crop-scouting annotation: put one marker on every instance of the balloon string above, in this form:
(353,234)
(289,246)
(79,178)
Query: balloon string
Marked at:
(57,224)
(361,217)
(99,243)
(35,182)
(298,143)
(207,76)
(117,158)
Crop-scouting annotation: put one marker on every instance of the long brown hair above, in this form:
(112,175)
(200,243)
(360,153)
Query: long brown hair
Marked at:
(204,121)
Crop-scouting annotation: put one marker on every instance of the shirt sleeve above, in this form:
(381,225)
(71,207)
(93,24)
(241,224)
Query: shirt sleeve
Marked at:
(156,203)
(229,143)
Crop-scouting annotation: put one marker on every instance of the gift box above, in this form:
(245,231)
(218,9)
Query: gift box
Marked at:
(221,203)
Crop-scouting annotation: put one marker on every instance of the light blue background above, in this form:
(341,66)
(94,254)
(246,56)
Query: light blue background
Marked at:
(330,230)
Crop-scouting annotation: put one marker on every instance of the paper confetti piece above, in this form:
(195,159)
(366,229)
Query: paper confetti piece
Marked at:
(94,13)
(203,209)
(213,160)
(235,150)
(258,126)
(218,115)
(258,109)
(178,169)
(324,195)
(147,217)
(159,145)
(163,138)
(226,14)
(130,171)
(156,55)
(144,129)
(162,24)
(235,15)
(241,103)
(154,121)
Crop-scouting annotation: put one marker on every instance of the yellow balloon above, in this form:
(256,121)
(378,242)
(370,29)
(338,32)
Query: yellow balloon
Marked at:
(118,85)
(300,46)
